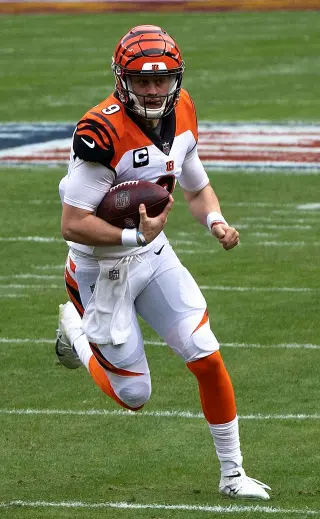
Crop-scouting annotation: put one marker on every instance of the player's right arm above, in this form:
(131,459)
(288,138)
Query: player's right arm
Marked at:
(90,177)
(81,225)
(85,187)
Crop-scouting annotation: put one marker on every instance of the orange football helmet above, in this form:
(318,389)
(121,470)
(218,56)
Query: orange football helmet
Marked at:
(147,50)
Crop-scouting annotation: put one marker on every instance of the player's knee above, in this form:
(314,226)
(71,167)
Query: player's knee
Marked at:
(136,394)
(200,344)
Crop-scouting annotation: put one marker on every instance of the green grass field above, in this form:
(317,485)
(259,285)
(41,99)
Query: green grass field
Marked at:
(59,459)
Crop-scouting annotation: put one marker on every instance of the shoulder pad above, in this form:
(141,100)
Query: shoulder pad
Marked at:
(186,114)
(93,140)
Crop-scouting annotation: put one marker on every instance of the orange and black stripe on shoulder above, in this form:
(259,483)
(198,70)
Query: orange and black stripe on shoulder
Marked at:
(94,138)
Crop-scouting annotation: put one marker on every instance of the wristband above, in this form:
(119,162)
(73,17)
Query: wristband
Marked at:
(141,239)
(129,238)
(133,238)
(213,218)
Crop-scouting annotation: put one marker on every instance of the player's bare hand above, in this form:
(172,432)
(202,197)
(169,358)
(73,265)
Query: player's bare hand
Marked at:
(227,236)
(151,227)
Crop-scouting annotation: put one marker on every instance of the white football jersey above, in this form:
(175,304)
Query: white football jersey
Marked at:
(110,146)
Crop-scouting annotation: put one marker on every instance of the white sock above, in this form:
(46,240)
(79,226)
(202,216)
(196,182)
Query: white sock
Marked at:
(82,347)
(227,443)
(73,334)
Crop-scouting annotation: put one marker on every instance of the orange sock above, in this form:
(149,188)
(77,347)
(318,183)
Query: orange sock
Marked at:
(215,388)
(101,379)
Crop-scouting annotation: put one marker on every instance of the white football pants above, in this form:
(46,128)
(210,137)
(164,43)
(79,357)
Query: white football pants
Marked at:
(165,295)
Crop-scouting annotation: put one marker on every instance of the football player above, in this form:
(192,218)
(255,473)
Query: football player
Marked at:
(146,129)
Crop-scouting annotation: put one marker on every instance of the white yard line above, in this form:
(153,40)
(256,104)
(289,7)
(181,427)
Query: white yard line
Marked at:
(230,509)
(50,239)
(48,267)
(289,243)
(285,208)
(31,276)
(257,219)
(12,296)
(306,206)
(33,287)
(256,289)
(270,226)
(195,252)
(303,207)
(146,414)
(219,288)
(265,234)
(309,206)
(7,340)
(292,212)
(294,346)
(36,239)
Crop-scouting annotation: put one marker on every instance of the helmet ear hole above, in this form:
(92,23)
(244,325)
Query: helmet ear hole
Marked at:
(147,50)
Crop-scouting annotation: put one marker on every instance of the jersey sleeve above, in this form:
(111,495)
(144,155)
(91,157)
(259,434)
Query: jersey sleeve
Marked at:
(193,175)
(93,140)
(86,184)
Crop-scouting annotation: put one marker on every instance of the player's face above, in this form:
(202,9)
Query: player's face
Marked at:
(149,89)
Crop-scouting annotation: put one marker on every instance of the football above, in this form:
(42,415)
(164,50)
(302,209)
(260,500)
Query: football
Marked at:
(120,206)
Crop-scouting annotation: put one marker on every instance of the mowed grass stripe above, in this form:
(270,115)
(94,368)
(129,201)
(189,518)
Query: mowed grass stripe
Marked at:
(152,414)
(294,346)
(231,509)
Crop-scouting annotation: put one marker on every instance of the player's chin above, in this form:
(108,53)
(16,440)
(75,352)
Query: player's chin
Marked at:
(153,106)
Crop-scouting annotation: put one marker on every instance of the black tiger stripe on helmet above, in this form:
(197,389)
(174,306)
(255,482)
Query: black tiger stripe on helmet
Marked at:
(145,50)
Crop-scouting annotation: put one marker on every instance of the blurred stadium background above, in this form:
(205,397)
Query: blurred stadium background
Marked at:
(65,449)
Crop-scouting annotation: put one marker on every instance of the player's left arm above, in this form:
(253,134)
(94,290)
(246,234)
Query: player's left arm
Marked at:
(203,202)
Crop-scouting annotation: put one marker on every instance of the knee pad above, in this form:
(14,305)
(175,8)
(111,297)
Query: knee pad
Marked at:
(200,344)
(135,394)
(132,391)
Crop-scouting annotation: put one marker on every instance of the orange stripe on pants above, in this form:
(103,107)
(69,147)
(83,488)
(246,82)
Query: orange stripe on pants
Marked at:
(215,388)
(101,379)
(204,320)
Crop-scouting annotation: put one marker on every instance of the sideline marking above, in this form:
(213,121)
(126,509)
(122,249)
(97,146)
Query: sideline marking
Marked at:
(231,509)
(291,147)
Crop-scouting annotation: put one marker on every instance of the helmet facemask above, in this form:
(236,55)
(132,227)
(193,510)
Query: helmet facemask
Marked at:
(138,102)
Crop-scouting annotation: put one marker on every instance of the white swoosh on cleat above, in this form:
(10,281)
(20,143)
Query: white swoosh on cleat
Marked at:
(90,144)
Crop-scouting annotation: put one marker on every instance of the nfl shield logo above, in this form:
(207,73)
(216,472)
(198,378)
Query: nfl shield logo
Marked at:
(114,274)
(166,147)
(122,199)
